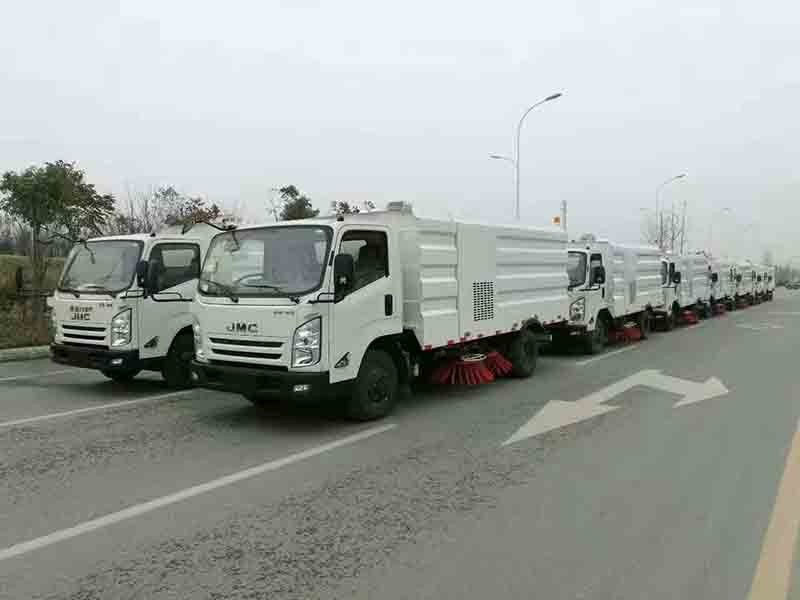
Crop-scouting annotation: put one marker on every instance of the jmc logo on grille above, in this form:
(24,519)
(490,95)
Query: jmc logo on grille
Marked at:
(240,327)
(80,313)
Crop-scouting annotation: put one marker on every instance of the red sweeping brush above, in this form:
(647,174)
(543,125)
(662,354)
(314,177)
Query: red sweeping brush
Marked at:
(498,364)
(469,369)
(631,332)
(689,317)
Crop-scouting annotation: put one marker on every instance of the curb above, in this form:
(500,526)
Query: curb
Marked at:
(28,353)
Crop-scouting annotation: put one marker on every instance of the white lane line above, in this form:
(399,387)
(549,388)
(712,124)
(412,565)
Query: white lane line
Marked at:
(140,509)
(774,570)
(88,409)
(47,374)
(580,363)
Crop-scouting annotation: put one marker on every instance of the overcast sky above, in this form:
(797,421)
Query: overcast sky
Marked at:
(357,100)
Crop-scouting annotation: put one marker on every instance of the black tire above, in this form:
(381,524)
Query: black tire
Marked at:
(669,321)
(375,389)
(708,312)
(121,376)
(644,324)
(177,364)
(523,352)
(595,341)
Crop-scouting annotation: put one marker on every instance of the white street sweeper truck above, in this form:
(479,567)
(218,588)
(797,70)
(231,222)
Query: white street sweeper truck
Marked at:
(353,306)
(122,304)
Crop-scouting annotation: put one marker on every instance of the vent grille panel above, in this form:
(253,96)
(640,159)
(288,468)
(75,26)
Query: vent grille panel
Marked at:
(483,301)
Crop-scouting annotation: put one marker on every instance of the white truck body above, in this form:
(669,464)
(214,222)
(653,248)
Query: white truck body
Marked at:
(631,287)
(746,280)
(440,284)
(716,284)
(695,287)
(727,277)
(772,273)
(103,318)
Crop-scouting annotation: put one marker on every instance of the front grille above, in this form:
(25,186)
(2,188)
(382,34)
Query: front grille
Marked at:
(227,363)
(246,354)
(84,335)
(252,343)
(83,328)
(247,351)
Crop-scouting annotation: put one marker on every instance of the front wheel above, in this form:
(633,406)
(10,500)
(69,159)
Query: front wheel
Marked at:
(177,370)
(595,341)
(375,390)
(644,324)
(523,352)
(121,376)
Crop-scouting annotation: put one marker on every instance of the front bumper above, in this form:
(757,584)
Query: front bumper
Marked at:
(95,358)
(248,380)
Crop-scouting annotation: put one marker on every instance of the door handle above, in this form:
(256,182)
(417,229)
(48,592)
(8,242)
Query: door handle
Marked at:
(388,305)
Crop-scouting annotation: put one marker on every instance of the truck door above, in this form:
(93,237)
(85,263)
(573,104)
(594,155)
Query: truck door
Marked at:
(166,309)
(372,307)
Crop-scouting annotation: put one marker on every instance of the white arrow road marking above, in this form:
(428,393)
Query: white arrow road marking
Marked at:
(557,414)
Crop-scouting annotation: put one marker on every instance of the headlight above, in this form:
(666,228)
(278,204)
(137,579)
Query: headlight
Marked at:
(577,310)
(307,343)
(121,328)
(197,331)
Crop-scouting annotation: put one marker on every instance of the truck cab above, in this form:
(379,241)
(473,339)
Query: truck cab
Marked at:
(122,304)
(667,314)
(610,284)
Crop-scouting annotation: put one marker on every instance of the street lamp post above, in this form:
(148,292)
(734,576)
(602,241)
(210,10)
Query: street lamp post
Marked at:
(659,214)
(515,161)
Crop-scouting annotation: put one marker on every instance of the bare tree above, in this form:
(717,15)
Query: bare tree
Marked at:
(667,230)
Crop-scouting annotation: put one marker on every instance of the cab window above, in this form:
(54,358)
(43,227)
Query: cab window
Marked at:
(369,250)
(175,264)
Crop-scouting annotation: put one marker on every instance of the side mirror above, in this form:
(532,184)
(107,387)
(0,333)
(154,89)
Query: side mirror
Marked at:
(599,275)
(151,280)
(141,273)
(343,273)
(676,277)
(759,279)
(739,278)
(714,277)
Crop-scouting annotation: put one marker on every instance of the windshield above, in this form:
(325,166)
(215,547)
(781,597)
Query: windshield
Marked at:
(273,261)
(103,266)
(576,268)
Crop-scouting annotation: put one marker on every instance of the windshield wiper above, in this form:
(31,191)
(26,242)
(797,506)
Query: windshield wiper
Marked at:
(267,286)
(228,291)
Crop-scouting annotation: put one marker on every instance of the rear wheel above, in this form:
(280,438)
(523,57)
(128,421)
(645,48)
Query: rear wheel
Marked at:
(595,341)
(523,352)
(375,390)
(177,371)
(121,376)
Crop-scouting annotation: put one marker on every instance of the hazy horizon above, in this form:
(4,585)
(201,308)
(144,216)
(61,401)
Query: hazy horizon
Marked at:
(356,101)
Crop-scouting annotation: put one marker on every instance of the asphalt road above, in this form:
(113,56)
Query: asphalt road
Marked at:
(104,489)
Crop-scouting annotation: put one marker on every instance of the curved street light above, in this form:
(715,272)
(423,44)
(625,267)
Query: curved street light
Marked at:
(659,215)
(515,161)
